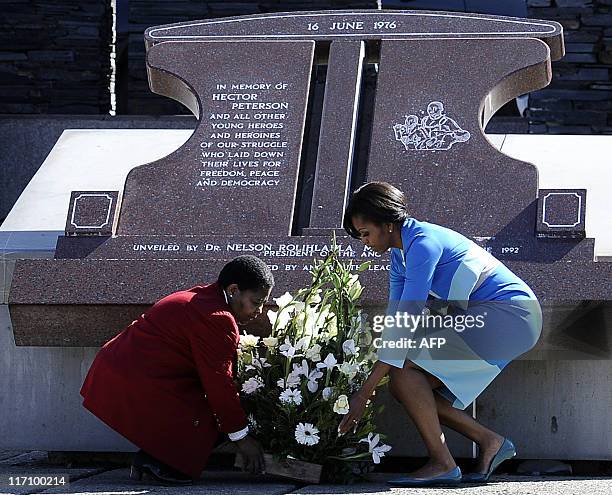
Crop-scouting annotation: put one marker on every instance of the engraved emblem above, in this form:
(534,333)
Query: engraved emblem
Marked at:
(434,132)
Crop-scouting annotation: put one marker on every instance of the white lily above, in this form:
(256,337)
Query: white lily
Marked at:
(349,370)
(348,346)
(279,319)
(376,450)
(293,380)
(258,364)
(287,349)
(283,300)
(313,353)
(303,343)
(328,363)
(313,376)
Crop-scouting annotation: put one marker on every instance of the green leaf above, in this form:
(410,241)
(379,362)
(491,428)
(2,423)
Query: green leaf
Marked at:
(364,266)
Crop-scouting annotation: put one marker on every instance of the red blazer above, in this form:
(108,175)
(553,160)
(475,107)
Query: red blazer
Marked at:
(166,381)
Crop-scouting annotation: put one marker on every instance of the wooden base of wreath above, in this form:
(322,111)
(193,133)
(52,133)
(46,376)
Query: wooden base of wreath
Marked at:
(289,468)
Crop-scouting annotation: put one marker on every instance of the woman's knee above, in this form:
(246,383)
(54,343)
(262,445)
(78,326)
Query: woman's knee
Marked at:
(395,376)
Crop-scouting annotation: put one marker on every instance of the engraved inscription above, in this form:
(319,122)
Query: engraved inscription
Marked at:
(246,143)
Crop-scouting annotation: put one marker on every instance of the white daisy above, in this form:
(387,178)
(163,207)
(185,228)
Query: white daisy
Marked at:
(306,434)
(291,396)
(252,385)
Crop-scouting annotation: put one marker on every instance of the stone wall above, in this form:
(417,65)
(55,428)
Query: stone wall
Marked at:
(579,100)
(55,56)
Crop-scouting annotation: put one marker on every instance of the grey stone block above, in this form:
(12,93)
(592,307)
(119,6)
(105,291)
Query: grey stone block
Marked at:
(597,20)
(21,154)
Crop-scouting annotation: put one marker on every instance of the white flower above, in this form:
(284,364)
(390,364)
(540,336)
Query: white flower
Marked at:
(301,369)
(354,286)
(314,353)
(376,450)
(252,385)
(258,364)
(248,341)
(283,300)
(327,393)
(252,422)
(312,384)
(365,337)
(349,370)
(331,329)
(279,319)
(371,356)
(328,363)
(303,343)
(306,434)
(287,349)
(270,342)
(341,406)
(291,396)
(315,298)
(293,380)
(348,346)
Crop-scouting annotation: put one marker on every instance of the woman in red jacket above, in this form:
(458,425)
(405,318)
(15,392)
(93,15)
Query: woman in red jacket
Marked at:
(166,382)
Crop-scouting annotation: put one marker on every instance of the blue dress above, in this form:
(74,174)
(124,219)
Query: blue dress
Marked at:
(489,316)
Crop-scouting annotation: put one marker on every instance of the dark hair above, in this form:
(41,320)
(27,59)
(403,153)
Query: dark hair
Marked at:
(377,202)
(249,272)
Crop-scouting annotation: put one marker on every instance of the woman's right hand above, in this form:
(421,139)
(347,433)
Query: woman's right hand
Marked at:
(252,454)
(357,406)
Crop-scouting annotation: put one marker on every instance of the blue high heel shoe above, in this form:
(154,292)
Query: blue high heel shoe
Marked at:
(451,478)
(505,452)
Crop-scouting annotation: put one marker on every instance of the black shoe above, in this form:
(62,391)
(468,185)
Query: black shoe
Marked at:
(147,468)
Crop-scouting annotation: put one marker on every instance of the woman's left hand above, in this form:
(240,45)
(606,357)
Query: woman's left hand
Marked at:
(357,405)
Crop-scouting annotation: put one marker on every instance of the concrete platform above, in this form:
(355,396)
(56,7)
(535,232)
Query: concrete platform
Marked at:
(50,416)
(116,482)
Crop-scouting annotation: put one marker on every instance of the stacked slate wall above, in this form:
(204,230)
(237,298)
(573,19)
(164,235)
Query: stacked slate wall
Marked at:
(55,56)
(579,100)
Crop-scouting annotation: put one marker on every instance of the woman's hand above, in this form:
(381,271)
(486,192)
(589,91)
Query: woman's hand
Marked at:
(357,405)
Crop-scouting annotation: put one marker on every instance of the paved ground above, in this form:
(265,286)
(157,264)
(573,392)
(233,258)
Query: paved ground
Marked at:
(107,481)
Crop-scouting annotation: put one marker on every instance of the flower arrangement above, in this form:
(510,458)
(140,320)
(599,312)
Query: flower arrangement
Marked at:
(297,382)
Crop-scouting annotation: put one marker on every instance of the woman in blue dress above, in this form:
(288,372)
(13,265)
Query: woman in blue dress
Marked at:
(440,363)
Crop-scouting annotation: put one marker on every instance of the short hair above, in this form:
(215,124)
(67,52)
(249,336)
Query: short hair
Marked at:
(377,202)
(248,272)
